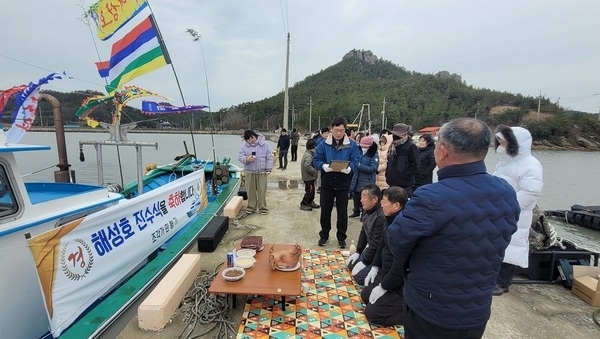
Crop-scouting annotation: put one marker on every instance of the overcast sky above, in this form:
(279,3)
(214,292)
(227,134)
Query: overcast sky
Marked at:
(512,45)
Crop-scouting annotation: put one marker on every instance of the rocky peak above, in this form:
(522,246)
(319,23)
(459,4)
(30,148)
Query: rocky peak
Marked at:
(363,55)
(447,75)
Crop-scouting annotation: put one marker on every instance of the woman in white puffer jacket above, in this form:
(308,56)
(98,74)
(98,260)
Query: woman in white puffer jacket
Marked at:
(525,174)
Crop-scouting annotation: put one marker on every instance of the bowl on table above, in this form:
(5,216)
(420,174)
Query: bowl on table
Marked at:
(244,262)
(245,252)
(233,273)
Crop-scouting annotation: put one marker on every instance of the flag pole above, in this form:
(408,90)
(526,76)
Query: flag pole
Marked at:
(163,46)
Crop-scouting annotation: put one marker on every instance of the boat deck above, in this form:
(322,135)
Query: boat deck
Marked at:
(40,192)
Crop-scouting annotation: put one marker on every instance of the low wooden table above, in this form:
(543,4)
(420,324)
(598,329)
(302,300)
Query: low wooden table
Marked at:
(261,279)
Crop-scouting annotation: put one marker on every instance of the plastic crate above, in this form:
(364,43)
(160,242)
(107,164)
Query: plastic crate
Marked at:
(543,264)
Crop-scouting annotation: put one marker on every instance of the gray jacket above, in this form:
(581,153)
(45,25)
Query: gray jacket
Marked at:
(309,172)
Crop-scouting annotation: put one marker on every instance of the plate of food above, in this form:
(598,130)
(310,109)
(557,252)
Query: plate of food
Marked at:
(288,269)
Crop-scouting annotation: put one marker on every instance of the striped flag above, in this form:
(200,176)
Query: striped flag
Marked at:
(6,94)
(27,102)
(139,52)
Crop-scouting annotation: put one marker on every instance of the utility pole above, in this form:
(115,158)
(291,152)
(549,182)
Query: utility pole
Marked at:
(286,99)
(310,104)
(383,115)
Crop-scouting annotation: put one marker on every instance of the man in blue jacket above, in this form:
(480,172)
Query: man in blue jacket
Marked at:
(452,236)
(334,184)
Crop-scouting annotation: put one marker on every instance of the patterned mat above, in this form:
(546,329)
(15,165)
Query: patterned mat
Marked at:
(331,308)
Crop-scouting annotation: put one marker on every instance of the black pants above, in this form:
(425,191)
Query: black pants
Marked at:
(283,158)
(388,310)
(417,327)
(507,272)
(341,205)
(409,191)
(294,152)
(360,277)
(309,192)
(357,204)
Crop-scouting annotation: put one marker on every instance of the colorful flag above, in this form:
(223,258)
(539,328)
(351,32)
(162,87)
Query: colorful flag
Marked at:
(135,92)
(90,104)
(139,52)
(151,107)
(110,15)
(93,123)
(27,102)
(6,94)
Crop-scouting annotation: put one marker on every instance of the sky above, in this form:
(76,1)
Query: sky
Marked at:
(533,47)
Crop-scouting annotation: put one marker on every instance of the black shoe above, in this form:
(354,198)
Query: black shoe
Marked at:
(313,205)
(322,242)
(498,290)
(342,243)
(355,215)
(279,167)
(305,207)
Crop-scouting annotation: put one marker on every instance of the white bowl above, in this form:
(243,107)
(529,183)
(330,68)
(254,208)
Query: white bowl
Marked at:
(245,252)
(227,272)
(244,262)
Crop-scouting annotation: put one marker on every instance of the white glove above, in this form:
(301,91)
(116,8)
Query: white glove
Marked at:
(370,278)
(358,267)
(376,293)
(352,259)
(346,170)
(326,168)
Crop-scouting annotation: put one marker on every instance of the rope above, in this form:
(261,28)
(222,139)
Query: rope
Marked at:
(204,308)
(595,316)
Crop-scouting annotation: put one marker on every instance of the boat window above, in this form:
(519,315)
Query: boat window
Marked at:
(8,204)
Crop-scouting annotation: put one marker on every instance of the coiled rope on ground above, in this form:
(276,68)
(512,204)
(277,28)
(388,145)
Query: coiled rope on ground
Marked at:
(596,316)
(203,308)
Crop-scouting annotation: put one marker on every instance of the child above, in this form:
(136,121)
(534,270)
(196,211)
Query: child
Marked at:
(309,176)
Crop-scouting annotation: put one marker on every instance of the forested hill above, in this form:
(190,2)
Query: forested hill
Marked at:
(413,98)
(359,79)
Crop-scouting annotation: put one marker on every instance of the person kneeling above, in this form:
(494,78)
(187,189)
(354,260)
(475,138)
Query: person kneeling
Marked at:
(384,283)
(373,223)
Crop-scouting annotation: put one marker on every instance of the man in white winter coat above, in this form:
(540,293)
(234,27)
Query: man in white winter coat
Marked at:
(525,174)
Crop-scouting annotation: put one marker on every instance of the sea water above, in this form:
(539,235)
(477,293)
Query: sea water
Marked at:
(570,177)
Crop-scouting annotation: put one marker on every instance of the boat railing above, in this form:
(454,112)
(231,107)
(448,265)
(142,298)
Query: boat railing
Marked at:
(138,151)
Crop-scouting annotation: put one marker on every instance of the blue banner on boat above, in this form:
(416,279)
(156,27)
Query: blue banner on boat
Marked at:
(151,107)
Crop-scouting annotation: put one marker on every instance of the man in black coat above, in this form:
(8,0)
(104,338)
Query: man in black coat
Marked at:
(283,145)
(384,282)
(402,159)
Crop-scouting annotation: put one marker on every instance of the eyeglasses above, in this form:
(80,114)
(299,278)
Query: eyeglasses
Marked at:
(338,130)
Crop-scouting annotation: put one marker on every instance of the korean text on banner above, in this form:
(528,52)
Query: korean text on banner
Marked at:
(110,15)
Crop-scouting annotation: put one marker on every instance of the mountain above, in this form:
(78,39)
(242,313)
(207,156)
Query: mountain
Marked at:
(413,98)
(361,79)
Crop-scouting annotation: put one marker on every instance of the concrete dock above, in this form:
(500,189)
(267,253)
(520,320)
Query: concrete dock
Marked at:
(527,311)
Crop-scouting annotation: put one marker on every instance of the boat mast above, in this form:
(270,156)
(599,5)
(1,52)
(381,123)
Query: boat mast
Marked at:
(286,99)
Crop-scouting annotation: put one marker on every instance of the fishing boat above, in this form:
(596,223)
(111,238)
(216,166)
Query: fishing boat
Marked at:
(75,256)
(580,215)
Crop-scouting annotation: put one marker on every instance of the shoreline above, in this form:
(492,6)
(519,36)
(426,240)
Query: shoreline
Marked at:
(543,145)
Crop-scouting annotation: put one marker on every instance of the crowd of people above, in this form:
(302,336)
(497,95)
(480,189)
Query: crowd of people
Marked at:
(430,255)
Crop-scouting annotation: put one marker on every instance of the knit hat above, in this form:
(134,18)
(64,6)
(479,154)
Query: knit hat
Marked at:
(366,142)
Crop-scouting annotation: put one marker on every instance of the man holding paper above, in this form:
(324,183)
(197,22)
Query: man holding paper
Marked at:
(337,158)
